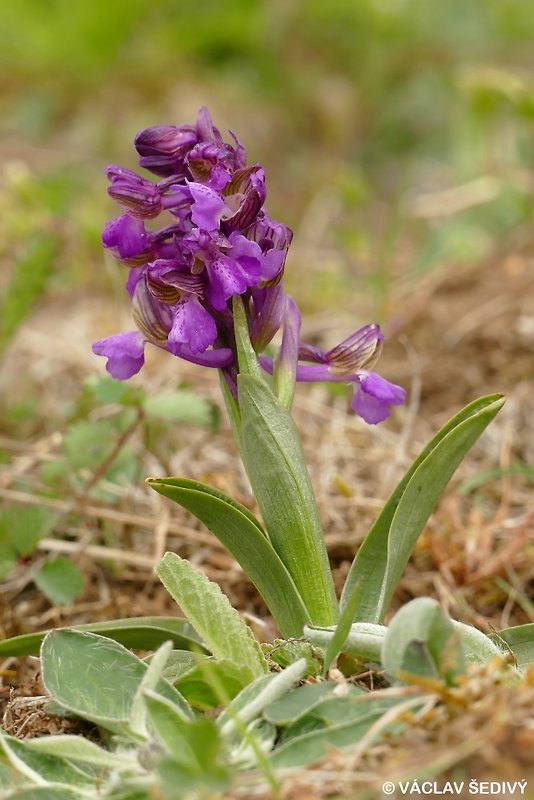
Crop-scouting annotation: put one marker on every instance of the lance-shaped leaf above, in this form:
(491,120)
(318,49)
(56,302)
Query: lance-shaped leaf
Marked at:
(385,551)
(141,633)
(343,627)
(340,722)
(274,461)
(212,615)
(79,750)
(240,532)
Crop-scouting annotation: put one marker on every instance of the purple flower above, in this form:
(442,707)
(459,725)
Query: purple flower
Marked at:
(348,362)
(141,198)
(219,242)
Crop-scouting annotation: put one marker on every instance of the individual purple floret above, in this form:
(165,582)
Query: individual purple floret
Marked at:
(348,362)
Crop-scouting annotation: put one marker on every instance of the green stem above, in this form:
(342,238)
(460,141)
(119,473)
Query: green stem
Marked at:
(272,455)
(365,641)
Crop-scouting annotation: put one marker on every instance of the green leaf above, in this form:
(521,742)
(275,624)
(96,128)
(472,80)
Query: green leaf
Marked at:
(353,720)
(142,633)
(7,565)
(364,641)
(240,532)
(478,647)
(520,640)
(285,653)
(78,749)
(343,626)
(96,678)
(232,408)
(41,767)
(149,681)
(211,615)
(52,791)
(203,685)
(108,391)
(179,663)
(7,777)
(385,551)
(59,580)
(87,444)
(170,728)
(21,529)
(181,406)
(274,461)
(248,705)
(246,355)
(422,640)
(297,703)
(195,745)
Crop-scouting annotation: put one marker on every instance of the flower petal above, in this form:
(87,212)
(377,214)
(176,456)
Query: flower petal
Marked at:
(192,326)
(207,208)
(226,278)
(127,236)
(373,395)
(124,352)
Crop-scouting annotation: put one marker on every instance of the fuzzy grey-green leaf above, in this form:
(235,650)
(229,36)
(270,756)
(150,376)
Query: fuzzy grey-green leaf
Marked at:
(212,615)
(422,640)
(96,678)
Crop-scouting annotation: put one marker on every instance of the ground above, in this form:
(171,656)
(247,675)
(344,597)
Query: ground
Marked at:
(455,336)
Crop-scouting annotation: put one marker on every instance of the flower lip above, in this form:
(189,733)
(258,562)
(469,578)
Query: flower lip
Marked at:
(373,396)
(124,352)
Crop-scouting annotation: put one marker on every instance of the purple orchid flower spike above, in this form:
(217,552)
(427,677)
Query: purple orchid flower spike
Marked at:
(219,242)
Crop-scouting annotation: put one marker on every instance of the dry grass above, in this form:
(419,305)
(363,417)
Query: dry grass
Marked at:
(457,336)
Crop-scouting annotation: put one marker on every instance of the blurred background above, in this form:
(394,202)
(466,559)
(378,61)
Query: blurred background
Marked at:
(397,141)
(396,134)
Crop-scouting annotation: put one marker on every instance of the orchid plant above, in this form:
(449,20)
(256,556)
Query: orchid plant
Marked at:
(208,287)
